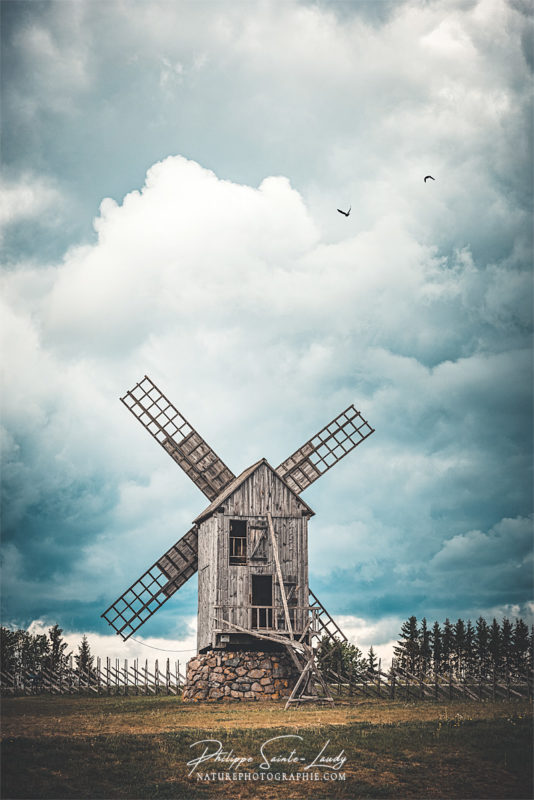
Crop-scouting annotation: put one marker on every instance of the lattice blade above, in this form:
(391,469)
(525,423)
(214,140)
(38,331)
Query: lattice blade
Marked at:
(155,586)
(181,441)
(325,449)
(327,625)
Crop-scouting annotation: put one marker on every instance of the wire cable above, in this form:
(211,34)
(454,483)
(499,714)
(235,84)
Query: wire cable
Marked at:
(161,649)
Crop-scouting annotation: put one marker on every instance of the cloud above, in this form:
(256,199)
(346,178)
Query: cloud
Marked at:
(345,107)
(222,145)
(510,539)
(26,199)
(235,308)
(381,636)
(141,647)
(53,53)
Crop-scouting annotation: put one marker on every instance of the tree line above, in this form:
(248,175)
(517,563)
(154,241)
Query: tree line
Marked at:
(29,652)
(463,650)
(453,650)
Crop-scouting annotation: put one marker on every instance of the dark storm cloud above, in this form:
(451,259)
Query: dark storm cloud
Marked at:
(417,308)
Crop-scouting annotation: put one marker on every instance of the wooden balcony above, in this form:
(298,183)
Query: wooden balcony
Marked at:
(267,619)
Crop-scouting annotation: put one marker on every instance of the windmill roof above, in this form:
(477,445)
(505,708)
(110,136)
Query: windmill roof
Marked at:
(236,483)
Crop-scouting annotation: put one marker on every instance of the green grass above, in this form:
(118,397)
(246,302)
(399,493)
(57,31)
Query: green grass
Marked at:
(482,751)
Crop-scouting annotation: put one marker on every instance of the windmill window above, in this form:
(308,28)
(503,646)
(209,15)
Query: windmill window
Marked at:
(238,541)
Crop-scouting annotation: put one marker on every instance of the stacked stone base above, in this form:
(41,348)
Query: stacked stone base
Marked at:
(227,675)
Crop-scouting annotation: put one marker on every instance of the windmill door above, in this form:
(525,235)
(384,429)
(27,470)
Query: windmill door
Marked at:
(262,601)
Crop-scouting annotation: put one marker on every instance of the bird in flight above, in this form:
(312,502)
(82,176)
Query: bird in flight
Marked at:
(431,178)
(345,213)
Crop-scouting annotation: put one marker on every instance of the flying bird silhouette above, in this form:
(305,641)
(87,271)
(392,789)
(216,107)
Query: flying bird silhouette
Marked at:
(431,178)
(345,213)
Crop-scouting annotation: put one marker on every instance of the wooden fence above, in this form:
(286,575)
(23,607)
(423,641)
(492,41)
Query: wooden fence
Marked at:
(109,676)
(399,684)
(116,677)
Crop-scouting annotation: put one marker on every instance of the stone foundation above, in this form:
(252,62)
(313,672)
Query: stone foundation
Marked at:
(246,675)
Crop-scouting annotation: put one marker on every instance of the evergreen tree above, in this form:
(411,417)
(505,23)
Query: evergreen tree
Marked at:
(495,645)
(8,647)
(84,659)
(32,650)
(407,648)
(459,647)
(341,657)
(425,650)
(21,650)
(372,661)
(447,645)
(482,646)
(435,641)
(507,644)
(469,651)
(57,658)
(520,646)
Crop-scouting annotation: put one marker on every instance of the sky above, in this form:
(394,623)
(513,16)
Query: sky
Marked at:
(171,173)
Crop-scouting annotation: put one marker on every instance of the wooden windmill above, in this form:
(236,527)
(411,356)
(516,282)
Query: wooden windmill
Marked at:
(249,546)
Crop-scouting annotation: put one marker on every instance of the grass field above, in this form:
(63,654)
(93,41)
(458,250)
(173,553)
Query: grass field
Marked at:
(138,747)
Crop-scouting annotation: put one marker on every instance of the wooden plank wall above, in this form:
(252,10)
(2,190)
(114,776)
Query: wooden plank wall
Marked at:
(207,580)
(230,585)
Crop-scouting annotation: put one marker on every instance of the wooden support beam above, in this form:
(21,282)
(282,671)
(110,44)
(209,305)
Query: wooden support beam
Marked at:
(303,675)
(272,637)
(306,629)
(279,573)
(291,650)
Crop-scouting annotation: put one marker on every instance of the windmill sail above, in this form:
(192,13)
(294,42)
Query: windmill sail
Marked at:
(155,586)
(325,449)
(181,441)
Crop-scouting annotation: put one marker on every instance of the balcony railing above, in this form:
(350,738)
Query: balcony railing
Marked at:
(267,618)
(238,550)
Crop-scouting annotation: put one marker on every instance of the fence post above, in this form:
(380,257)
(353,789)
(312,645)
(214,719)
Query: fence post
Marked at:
(126,676)
(392,683)
(168,677)
(494,681)
(146,676)
(450,683)
(156,675)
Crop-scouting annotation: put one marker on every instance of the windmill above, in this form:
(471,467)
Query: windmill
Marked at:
(250,548)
